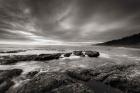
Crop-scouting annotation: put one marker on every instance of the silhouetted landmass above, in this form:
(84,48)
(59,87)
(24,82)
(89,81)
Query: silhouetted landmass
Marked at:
(130,41)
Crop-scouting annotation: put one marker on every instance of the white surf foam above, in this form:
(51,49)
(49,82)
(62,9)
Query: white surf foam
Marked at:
(104,55)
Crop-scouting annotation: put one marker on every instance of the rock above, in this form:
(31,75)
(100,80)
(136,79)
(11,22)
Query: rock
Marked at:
(6,78)
(122,82)
(67,54)
(118,76)
(54,82)
(17,58)
(7,61)
(73,88)
(8,74)
(45,82)
(78,53)
(117,81)
(133,86)
(75,80)
(88,53)
(79,74)
(31,74)
(43,57)
(92,53)
(5,85)
(13,51)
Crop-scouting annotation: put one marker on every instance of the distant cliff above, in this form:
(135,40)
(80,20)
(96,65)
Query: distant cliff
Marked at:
(130,41)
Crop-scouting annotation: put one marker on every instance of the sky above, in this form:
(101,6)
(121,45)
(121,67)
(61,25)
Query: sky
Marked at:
(67,21)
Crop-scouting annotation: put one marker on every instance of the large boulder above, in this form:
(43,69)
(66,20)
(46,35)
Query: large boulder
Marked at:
(92,53)
(78,53)
(43,57)
(67,54)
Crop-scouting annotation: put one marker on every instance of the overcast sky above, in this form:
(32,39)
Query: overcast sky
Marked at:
(61,21)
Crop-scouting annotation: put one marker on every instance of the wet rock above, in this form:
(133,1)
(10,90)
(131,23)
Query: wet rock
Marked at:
(7,61)
(117,81)
(5,85)
(71,80)
(74,80)
(100,87)
(67,54)
(124,83)
(118,76)
(79,74)
(31,74)
(6,78)
(54,82)
(92,53)
(73,88)
(43,57)
(17,58)
(78,53)
(133,86)
(88,53)
(13,51)
(45,82)
(8,74)
(103,72)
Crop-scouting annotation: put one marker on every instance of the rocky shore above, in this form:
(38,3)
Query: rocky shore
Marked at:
(110,78)
(10,59)
(73,80)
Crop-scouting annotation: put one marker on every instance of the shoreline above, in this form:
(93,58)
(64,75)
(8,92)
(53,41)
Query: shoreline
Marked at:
(68,72)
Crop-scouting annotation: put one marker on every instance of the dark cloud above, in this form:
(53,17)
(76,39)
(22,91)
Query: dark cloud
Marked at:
(68,20)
